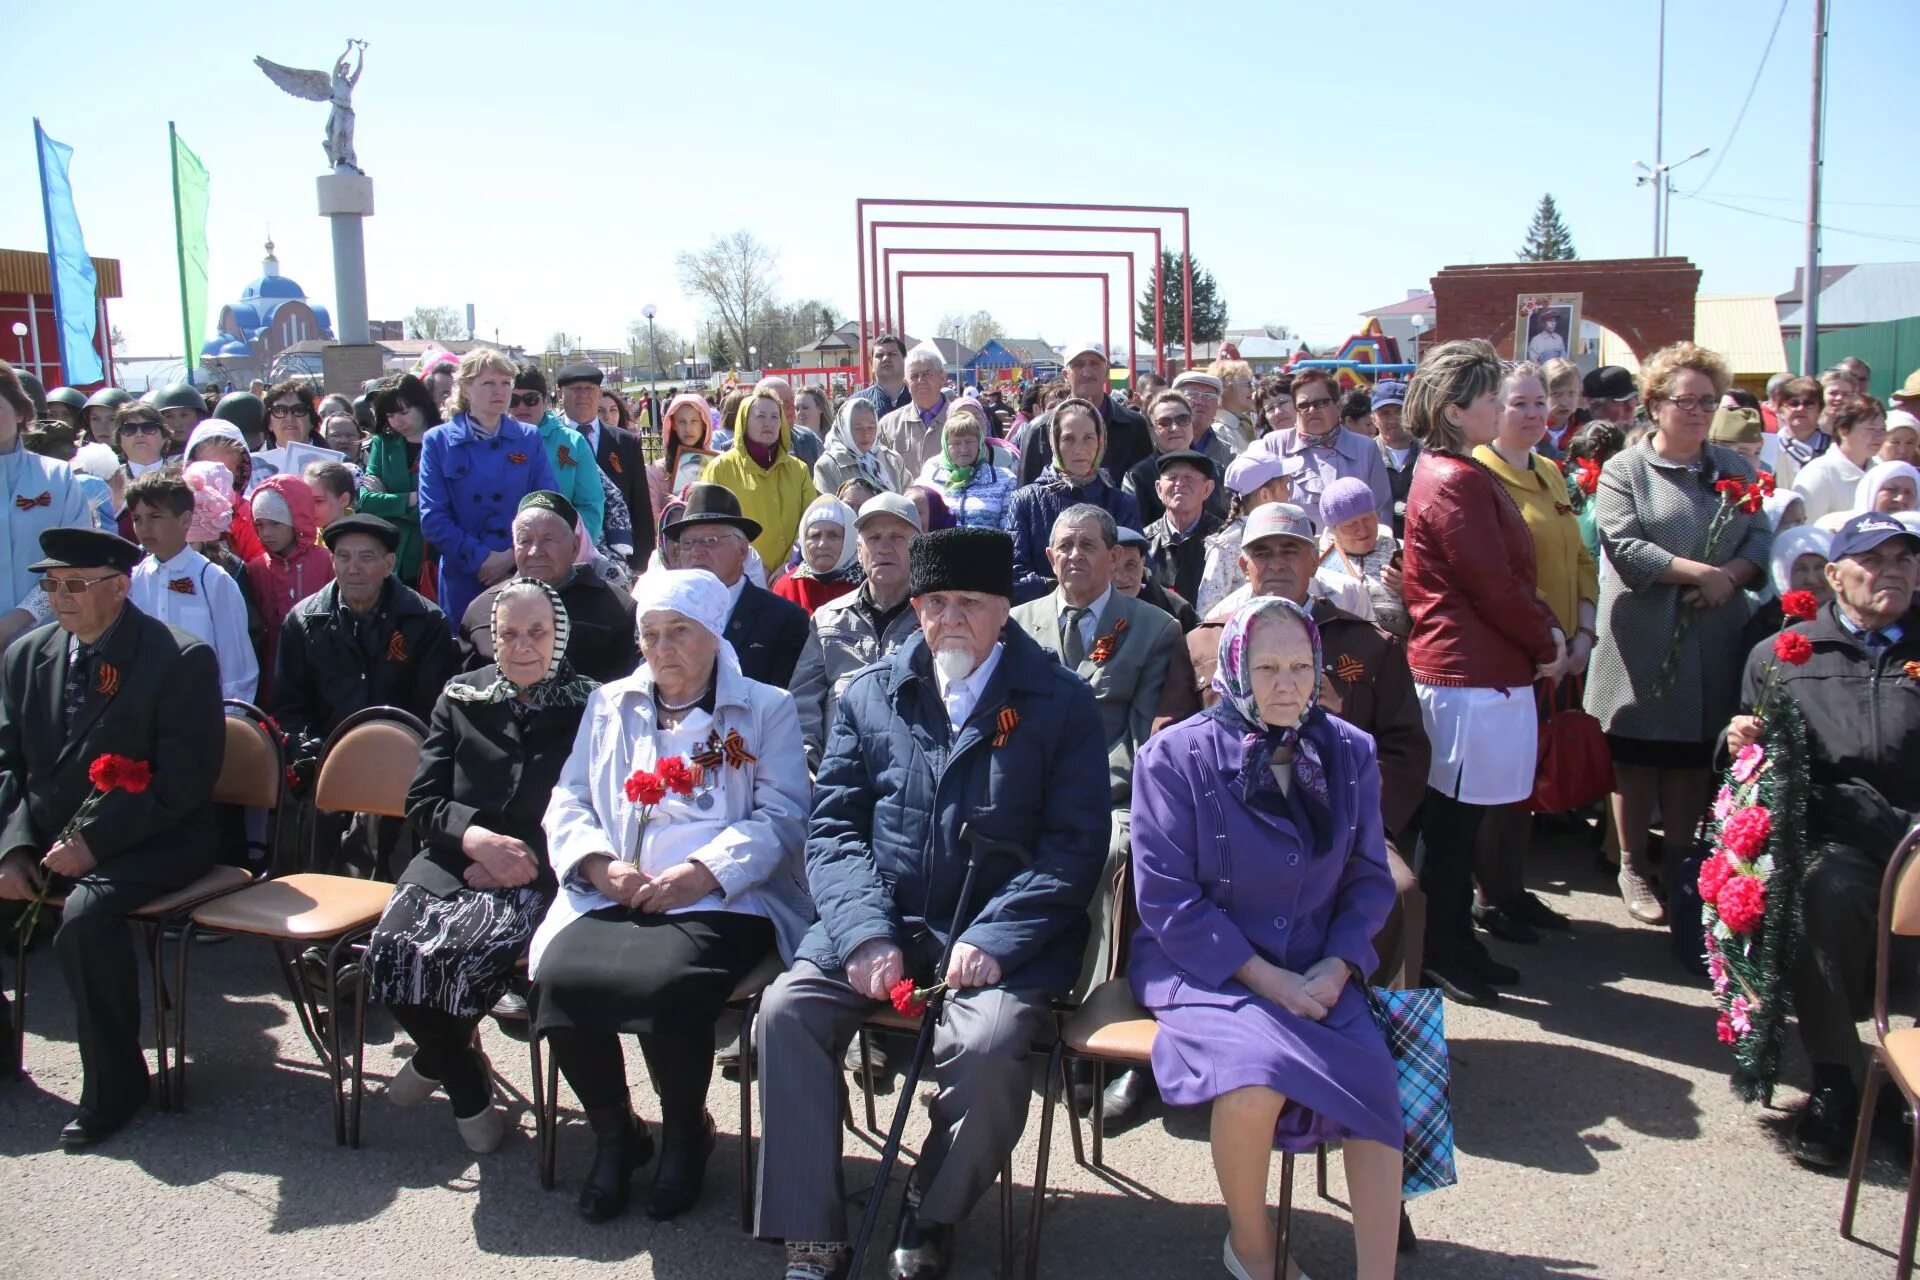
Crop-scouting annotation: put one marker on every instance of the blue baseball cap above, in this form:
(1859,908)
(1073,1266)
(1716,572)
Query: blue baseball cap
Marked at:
(1387,391)
(1867,531)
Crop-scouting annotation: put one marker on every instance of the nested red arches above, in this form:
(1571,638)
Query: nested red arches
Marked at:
(1104,277)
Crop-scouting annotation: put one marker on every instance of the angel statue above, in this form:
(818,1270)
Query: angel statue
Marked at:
(337,89)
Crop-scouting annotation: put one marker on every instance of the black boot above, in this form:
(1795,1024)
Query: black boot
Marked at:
(621,1145)
(681,1065)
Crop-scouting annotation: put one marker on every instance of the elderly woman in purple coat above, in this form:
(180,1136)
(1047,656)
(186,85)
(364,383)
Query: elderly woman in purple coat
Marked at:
(1261,874)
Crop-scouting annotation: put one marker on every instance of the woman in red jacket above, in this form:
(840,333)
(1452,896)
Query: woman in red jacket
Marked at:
(1480,636)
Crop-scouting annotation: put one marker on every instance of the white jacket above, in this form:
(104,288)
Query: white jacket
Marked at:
(767,803)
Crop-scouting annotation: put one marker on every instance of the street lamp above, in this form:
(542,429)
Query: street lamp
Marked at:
(20,335)
(1420,323)
(753,360)
(653,373)
(1661,177)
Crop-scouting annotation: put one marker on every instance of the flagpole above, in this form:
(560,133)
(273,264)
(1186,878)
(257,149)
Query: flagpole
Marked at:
(53,269)
(180,249)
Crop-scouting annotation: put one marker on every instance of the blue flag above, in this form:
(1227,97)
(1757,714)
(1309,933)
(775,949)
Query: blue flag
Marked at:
(74,282)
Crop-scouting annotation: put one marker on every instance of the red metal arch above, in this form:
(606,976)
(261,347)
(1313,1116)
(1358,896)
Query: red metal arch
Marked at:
(898,290)
(1104,277)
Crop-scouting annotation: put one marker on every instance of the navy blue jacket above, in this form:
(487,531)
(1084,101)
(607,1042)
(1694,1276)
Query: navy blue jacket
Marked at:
(1032,510)
(894,786)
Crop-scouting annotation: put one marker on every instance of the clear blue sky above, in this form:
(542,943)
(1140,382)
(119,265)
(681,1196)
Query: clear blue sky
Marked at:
(547,163)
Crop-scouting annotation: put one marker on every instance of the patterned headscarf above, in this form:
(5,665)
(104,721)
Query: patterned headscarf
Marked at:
(830,510)
(1237,710)
(867,460)
(560,687)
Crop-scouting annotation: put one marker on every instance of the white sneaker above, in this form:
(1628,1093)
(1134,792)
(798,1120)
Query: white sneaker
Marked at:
(1238,1272)
(484,1132)
(409,1088)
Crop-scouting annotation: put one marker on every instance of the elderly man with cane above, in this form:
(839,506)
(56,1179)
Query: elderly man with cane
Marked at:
(959,830)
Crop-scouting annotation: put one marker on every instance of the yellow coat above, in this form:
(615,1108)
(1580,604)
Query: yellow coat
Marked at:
(776,497)
(1566,573)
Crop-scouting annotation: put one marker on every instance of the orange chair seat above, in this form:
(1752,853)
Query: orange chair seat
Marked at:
(298,907)
(1903,1054)
(759,979)
(1111,1024)
(211,885)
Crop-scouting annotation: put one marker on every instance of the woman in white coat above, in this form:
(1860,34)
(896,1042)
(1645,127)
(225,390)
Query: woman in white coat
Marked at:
(676,832)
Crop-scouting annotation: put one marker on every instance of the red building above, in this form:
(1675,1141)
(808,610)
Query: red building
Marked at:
(29,337)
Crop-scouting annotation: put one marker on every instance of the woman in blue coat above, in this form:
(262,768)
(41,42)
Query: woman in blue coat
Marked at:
(474,469)
(1261,876)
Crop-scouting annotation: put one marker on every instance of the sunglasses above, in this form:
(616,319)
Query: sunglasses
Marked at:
(72,586)
(527,400)
(1803,402)
(141,429)
(288,411)
(1308,406)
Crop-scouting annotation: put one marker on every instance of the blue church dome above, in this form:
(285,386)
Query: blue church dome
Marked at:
(273,287)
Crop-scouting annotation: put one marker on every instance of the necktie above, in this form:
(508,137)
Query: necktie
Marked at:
(74,691)
(1073,649)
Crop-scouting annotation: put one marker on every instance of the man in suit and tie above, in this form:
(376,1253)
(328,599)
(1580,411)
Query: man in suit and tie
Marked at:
(617,451)
(766,632)
(106,679)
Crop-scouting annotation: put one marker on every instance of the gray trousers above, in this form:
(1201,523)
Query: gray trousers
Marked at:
(979,1057)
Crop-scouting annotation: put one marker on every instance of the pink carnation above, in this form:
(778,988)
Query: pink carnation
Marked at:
(1742,902)
(1713,873)
(1723,804)
(1739,1014)
(1748,762)
(1717,970)
(1745,834)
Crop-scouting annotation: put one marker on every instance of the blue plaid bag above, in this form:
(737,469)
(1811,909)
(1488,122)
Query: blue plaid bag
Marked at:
(1415,1029)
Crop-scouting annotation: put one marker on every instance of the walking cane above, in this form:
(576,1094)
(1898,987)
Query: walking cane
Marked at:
(981,848)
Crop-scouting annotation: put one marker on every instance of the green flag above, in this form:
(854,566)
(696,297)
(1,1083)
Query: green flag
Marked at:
(190,233)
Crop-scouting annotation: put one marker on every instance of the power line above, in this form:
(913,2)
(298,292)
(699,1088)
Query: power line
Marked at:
(1801,222)
(1860,204)
(1745,103)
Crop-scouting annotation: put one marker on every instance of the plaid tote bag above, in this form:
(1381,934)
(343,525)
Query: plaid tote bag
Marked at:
(1416,1033)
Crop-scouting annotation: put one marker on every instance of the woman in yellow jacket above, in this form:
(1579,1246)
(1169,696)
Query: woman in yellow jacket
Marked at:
(773,486)
(1569,582)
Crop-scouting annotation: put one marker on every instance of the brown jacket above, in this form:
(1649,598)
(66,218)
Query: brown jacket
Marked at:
(1367,684)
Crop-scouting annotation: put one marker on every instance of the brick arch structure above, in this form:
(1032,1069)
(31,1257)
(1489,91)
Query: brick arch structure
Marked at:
(1647,301)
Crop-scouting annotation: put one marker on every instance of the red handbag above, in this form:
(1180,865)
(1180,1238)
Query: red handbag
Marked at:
(1575,768)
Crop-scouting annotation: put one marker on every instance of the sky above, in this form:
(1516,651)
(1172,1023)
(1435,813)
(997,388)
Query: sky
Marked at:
(546,165)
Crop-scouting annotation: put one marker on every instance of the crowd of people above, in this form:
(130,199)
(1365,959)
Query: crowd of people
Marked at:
(1239,681)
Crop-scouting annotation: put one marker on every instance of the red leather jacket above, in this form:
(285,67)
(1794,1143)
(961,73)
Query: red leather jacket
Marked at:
(1478,620)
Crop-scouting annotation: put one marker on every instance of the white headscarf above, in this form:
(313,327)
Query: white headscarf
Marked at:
(828,509)
(1876,479)
(1801,540)
(694,594)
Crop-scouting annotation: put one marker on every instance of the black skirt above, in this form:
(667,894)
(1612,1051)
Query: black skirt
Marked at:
(620,970)
(1653,753)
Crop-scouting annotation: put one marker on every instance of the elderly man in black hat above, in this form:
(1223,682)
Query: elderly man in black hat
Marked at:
(1177,541)
(1863,736)
(1611,395)
(546,541)
(766,631)
(617,451)
(105,680)
(968,723)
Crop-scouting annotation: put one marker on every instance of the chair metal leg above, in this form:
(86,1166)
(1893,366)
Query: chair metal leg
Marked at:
(20,997)
(1862,1135)
(549,1124)
(1056,1069)
(156,947)
(866,1079)
(749,1064)
(538,1076)
(182,949)
(357,1098)
(332,1055)
(1006,1218)
(1903,1269)
(1073,1116)
(1286,1216)
(1320,1170)
(1098,1128)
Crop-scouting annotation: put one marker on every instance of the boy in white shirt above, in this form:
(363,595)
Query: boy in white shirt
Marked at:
(184,589)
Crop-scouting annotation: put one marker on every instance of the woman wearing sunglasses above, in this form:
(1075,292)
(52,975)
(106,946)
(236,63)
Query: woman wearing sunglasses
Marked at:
(41,493)
(290,413)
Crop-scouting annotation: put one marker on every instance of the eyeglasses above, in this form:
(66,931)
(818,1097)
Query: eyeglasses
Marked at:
(72,586)
(708,543)
(141,429)
(1308,406)
(1803,402)
(1694,404)
(528,400)
(288,411)
(1181,420)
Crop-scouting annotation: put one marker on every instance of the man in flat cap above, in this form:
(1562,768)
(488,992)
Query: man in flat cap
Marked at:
(968,723)
(600,613)
(103,680)
(617,450)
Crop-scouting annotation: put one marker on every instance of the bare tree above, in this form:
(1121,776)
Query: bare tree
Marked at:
(666,343)
(436,324)
(734,276)
(116,340)
(952,326)
(982,328)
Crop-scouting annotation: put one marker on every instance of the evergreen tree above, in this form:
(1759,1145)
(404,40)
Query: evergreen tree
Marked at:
(1209,311)
(1548,239)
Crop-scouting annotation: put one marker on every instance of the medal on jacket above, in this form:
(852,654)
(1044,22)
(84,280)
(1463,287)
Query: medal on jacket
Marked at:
(28,504)
(396,648)
(517,459)
(180,586)
(566,458)
(106,681)
(613,460)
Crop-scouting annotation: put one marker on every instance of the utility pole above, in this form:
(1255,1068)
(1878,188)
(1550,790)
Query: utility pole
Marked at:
(1659,122)
(1810,279)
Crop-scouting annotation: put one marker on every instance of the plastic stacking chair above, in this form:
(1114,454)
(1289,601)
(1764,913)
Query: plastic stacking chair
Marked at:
(249,775)
(546,1084)
(1896,1054)
(366,767)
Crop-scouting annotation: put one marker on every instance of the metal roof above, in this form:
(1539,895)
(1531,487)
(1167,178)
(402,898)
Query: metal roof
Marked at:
(1868,293)
(1743,328)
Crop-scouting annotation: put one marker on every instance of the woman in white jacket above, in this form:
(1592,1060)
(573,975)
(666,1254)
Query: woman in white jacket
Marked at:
(676,832)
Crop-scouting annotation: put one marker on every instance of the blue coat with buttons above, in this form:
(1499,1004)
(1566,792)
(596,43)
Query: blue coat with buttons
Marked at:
(470,489)
(884,858)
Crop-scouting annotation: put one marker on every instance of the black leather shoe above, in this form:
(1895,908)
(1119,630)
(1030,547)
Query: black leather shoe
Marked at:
(1528,909)
(882,1072)
(683,1168)
(1459,982)
(921,1250)
(622,1146)
(90,1125)
(1080,1087)
(1503,926)
(1121,1103)
(1823,1135)
(1494,972)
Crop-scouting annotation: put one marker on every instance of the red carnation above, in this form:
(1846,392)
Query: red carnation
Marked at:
(1713,874)
(1766,483)
(1742,902)
(645,787)
(119,773)
(907,1002)
(1723,1029)
(675,775)
(1801,606)
(1792,648)
(1589,478)
(1745,833)
(1730,491)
